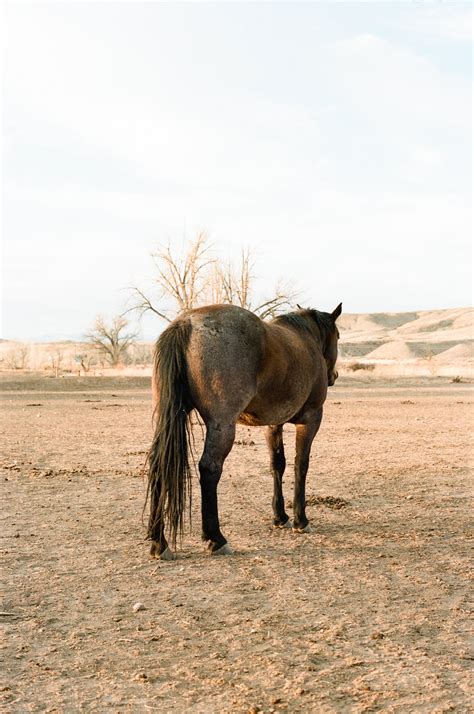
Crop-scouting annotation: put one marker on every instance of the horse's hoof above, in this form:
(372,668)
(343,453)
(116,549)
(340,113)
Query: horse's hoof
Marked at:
(167,554)
(223,550)
(306,529)
(288,524)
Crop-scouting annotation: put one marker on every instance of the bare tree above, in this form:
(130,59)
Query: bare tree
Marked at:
(196,279)
(235,286)
(24,353)
(55,357)
(110,339)
(86,360)
(282,299)
(230,285)
(141,354)
(181,279)
(17,357)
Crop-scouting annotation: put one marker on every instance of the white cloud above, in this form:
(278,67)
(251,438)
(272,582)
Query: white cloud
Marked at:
(451,23)
(395,86)
(427,156)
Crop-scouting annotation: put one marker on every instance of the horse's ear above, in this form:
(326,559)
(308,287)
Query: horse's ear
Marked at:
(299,306)
(335,314)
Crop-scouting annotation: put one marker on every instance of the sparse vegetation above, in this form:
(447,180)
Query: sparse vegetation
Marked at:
(110,339)
(356,366)
(86,360)
(393,320)
(139,355)
(431,363)
(441,325)
(55,357)
(17,357)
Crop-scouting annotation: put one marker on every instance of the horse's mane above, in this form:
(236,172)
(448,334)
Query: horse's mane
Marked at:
(323,320)
(299,320)
(294,319)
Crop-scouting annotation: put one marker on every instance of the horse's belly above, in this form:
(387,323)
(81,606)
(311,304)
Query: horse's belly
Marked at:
(264,417)
(277,402)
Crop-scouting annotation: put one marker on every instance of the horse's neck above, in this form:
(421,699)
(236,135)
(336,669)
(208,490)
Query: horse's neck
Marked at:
(320,336)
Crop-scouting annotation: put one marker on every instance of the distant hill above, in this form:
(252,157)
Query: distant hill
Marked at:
(432,341)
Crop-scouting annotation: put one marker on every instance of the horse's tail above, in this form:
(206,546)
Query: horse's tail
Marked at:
(169,475)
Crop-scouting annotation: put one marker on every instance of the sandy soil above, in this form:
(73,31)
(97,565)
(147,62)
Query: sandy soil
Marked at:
(368,613)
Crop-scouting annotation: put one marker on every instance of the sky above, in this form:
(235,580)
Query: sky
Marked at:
(332,138)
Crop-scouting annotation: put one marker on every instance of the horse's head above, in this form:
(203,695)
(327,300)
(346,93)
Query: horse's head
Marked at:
(330,353)
(326,322)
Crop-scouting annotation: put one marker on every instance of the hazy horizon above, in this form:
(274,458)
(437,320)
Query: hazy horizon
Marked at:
(334,139)
(156,326)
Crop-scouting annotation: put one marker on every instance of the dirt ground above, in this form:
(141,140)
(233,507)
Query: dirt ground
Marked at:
(367,613)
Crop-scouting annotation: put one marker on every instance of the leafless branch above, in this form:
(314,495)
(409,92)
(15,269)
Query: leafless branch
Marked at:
(143,304)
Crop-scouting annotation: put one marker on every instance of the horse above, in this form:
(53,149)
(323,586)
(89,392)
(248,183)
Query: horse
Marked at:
(234,368)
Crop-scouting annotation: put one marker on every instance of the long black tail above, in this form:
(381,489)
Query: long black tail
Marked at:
(169,474)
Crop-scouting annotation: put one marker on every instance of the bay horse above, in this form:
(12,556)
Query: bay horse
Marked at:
(232,367)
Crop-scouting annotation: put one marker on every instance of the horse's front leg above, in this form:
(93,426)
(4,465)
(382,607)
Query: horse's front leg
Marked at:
(274,437)
(305,434)
(219,440)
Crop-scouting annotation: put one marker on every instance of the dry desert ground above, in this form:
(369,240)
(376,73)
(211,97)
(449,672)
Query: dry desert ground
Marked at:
(368,613)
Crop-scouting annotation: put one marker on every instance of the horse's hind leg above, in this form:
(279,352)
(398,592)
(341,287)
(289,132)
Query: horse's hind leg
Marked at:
(219,440)
(274,437)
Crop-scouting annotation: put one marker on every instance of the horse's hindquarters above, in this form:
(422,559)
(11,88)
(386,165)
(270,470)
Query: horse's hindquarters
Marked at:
(223,358)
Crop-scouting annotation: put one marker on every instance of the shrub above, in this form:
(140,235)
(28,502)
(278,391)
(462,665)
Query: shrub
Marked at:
(356,366)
